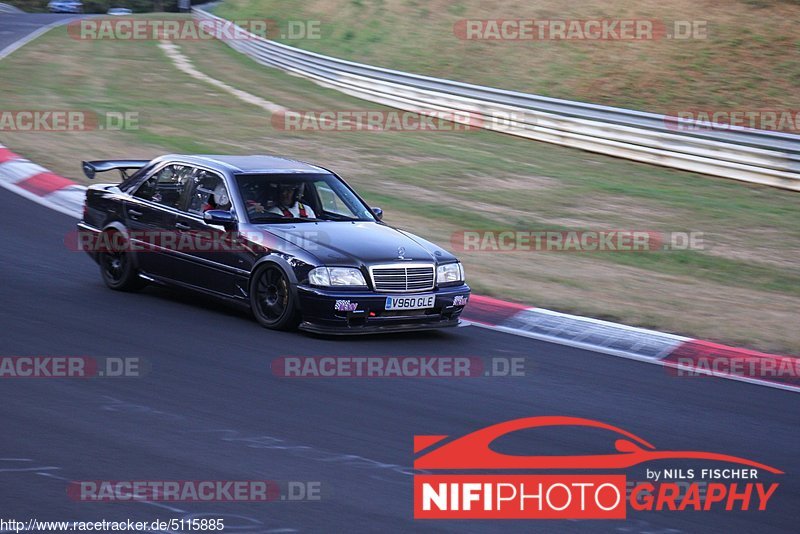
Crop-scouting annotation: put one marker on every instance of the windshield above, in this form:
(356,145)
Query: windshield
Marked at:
(277,198)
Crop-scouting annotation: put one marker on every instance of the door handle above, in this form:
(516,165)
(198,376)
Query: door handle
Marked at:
(134,214)
(181,226)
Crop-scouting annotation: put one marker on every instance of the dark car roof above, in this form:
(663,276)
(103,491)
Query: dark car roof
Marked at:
(247,164)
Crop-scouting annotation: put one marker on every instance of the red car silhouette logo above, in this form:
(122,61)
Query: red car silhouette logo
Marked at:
(473,450)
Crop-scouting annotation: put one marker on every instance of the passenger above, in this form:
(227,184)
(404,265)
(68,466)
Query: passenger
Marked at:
(218,200)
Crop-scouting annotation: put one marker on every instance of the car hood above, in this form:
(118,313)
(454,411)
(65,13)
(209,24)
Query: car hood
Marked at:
(359,243)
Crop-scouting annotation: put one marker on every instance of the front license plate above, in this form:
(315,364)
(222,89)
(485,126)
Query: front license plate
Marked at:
(410,303)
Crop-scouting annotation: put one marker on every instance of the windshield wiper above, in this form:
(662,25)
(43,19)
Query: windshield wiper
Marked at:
(339,217)
(277,220)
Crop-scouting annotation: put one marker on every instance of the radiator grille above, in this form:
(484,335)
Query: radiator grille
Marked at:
(403,277)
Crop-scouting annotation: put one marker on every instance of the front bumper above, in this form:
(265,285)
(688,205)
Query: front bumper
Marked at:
(328,311)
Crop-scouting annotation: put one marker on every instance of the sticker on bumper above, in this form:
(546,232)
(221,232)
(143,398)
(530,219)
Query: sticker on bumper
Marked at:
(460,300)
(345,305)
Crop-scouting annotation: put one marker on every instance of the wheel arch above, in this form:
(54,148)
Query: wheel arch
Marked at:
(283,265)
(118,226)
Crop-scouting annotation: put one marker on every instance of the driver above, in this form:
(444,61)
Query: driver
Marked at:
(287,203)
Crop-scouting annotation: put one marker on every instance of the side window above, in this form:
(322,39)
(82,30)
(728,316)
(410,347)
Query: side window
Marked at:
(167,186)
(207,192)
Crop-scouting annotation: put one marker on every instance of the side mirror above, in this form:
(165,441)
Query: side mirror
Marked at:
(378,212)
(220,217)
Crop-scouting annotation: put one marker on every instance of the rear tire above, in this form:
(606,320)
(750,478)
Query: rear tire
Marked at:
(116,264)
(271,299)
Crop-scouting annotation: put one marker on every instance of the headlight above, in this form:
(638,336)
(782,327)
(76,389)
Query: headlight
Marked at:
(336,276)
(449,273)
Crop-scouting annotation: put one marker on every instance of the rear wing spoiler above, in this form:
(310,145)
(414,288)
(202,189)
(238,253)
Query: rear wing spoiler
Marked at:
(90,168)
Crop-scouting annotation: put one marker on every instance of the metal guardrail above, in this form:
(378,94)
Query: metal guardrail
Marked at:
(757,156)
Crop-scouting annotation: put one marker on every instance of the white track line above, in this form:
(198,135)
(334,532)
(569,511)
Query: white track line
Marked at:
(630,356)
(30,37)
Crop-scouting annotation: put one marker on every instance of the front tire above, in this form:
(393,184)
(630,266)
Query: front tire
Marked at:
(271,299)
(116,265)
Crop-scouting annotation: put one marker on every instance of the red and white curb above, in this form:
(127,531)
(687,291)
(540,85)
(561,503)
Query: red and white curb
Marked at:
(682,356)
(36,183)
(677,353)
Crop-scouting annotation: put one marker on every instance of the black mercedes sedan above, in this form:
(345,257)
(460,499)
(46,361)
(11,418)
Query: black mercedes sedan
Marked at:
(289,239)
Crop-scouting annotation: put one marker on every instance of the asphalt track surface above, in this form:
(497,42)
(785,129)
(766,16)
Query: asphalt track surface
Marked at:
(15,26)
(211,409)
